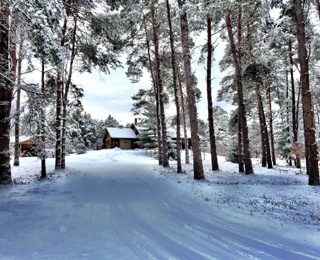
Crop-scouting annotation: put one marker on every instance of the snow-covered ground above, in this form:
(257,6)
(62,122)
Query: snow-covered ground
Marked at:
(114,204)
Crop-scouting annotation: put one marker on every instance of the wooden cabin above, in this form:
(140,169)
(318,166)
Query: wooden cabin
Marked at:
(28,147)
(123,138)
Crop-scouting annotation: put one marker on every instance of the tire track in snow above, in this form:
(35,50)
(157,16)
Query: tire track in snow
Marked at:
(151,234)
(150,229)
(150,218)
(230,238)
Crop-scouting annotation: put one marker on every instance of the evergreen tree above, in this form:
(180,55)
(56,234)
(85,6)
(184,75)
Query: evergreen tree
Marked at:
(308,110)
(175,87)
(111,122)
(232,150)
(241,105)
(189,81)
(209,50)
(144,106)
(147,136)
(6,92)
(94,48)
(40,27)
(159,87)
(221,128)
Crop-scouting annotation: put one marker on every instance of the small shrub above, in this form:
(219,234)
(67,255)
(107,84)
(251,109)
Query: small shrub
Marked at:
(232,152)
(81,149)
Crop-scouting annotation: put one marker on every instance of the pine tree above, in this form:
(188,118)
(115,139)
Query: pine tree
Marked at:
(255,75)
(144,106)
(111,122)
(175,87)
(96,48)
(208,50)
(147,136)
(308,110)
(241,105)
(189,81)
(317,3)
(221,128)
(6,91)
(160,90)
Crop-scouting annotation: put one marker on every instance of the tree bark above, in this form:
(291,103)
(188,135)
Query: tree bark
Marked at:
(175,87)
(65,100)
(58,122)
(165,158)
(287,114)
(265,133)
(293,104)
(308,111)
(42,126)
(16,160)
(156,97)
(242,111)
(262,133)
(273,154)
(185,132)
(317,2)
(195,140)
(213,147)
(6,92)
(240,150)
(59,97)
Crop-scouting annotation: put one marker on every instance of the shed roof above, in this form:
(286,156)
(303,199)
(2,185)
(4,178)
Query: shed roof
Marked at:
(121,133)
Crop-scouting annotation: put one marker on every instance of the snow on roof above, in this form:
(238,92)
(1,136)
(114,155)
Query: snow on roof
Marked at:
(22,138)
(121,133)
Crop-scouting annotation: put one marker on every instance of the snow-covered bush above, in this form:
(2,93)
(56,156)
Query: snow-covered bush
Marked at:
(172,148)
(81,149)
(232,151)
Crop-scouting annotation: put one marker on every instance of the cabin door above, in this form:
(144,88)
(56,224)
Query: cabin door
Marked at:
(125,143)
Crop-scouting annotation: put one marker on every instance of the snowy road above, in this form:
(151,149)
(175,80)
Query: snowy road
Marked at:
(120,209)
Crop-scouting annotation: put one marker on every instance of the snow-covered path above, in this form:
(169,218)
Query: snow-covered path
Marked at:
(115,207)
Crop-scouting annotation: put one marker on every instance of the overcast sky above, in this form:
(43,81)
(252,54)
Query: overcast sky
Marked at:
(111,94)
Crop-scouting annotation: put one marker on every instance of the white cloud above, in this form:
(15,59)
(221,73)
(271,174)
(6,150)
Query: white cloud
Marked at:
(109,94)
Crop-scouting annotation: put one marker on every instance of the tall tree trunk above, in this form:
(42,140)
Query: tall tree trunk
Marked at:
(160,90)
(273,154)
(308,111)
(317,2)
(66,94)
(239,36)
(185,132)
(16,160)
(298,105)
(242,111)
(58,122)
(293,104)
(262,133)
(195,140)
(213,147)
(287,98)
(266,143)
(240,150)
(6,92)
(157,101)
(42,125)
(287,114)
(59,97)
(175,87)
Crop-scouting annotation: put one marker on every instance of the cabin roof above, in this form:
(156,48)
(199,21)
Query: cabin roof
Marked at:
(115,132)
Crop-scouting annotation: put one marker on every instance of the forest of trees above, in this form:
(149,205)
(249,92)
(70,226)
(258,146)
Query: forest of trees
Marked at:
(271,68)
